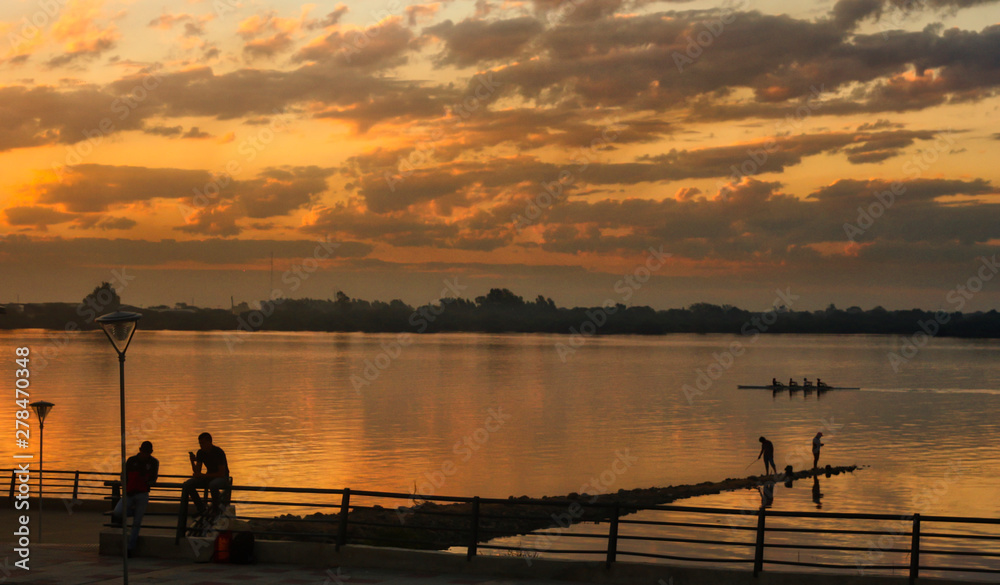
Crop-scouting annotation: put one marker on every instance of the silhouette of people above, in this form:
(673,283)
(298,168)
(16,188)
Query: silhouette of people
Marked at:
(141,472)
(816,445)
(215,477)
(820,383)
(774,382)
(806,382)
(817,495)
(767,452)
(792,383)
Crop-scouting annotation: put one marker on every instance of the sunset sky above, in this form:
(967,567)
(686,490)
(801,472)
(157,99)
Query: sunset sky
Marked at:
(384,148)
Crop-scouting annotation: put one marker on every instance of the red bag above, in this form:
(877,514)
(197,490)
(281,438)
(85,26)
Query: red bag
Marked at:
(222,544)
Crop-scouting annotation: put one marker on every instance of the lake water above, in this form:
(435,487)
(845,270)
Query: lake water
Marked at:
(504,415)
(501,415)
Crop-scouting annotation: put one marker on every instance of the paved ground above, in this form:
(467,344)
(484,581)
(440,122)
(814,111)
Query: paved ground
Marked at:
(80,564)
(68,556)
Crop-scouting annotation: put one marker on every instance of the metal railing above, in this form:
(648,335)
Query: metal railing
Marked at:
(910,544)
(72,485)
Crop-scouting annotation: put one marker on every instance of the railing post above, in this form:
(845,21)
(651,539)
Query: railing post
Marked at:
(345,507)
(613,536)
(915,550)
(474,537)
(758,554)
(116,493)
(12,485)
(76,485)
(182,514)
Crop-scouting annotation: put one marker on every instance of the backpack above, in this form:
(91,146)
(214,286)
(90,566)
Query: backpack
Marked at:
(241,549)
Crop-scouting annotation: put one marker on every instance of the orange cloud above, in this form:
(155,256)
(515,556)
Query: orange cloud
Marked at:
(81,31)
(269,34)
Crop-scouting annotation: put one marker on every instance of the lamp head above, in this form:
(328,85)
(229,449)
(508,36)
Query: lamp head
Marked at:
(41,409)
(119,327)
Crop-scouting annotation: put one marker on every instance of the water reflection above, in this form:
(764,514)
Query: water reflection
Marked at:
(766,490)
(284,407)
(817,495)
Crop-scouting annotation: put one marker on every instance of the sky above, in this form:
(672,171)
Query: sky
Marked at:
(655,153)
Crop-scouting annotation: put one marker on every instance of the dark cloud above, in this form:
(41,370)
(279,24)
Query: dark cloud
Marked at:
(380,46)
(193,27)
(385,187)
(91,187)
(104,222)
(334,17)
(45,115)
(58,252)
(212,205)
(274,192)
(473,41)
(279,191)
(164,130)
(196,134)
(87,52)
(755,219)
(36,216)
(344,221)
(748,221)
(418,12)
(847,14)
(661,61)
(270,46)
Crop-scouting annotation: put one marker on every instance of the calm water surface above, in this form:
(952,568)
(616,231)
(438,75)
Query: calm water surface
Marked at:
(500,415)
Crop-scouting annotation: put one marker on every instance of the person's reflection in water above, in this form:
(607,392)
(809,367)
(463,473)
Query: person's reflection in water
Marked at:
(766,494)
(817,495)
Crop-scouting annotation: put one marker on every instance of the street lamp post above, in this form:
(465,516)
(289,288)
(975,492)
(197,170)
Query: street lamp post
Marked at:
(41,409)
(120,327)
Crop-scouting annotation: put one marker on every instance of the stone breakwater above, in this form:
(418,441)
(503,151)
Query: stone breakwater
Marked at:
(431,525)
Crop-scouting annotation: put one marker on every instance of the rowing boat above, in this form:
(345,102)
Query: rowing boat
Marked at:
(822,388)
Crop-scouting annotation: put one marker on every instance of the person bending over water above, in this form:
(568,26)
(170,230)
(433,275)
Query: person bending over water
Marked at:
(767,452)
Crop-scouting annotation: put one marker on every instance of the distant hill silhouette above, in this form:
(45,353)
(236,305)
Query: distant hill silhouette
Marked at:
(503,311)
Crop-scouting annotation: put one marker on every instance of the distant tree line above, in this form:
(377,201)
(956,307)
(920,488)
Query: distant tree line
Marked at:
(500,311)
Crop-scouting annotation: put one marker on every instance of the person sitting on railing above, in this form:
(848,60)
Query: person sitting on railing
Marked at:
(141,472)
(215,477)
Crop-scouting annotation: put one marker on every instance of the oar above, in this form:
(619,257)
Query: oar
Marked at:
(751,463)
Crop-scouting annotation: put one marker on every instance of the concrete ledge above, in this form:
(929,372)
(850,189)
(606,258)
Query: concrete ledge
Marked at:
(620,573)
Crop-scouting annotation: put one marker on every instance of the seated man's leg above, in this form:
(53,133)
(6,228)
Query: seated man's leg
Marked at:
(218,485)
(138,503)
(116,514)
(191,487)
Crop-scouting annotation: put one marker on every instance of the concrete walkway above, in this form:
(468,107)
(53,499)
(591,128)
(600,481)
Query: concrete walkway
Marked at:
(68,555)
(80,564)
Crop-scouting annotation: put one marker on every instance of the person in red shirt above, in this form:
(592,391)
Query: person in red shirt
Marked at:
(141,472)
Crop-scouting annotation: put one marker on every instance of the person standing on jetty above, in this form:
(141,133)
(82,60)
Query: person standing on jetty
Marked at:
(816,445)
(215,477)
(767,452)
(141,472)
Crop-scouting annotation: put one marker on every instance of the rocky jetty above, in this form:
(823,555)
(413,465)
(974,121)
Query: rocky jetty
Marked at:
(432,525)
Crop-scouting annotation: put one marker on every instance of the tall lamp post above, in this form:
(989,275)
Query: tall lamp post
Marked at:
(41,409)
(120,327)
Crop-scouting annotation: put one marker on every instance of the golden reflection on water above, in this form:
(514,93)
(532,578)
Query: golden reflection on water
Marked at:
(285,408)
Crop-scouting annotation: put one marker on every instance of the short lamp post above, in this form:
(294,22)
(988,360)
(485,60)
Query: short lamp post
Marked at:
(41,409)
(120,327)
